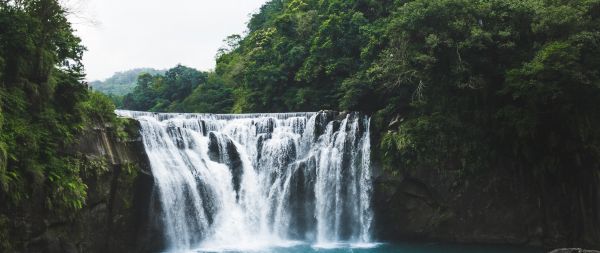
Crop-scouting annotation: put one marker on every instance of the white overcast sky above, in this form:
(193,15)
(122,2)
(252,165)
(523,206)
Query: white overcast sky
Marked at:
(126,34)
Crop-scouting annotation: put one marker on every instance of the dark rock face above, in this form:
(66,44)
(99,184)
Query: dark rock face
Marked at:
(302,202)
(321,121)
(445,205)
(222,150)
(265,127)
(116,216)
(261,141)
(203,127)
(176,135)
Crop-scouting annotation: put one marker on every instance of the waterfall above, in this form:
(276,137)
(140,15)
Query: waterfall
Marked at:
(227,180)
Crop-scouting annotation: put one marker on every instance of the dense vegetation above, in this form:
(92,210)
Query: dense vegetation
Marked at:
(180,89)
(44,105)
(452,84)
(480,80)
(473,86)
(122,83)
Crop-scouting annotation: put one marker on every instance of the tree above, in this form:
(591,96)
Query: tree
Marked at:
(164,92)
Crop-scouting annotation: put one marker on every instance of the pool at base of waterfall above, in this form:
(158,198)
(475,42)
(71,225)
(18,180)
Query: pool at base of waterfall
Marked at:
(302,247)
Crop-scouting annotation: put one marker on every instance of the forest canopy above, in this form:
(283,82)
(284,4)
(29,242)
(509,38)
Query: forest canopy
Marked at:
(44,106)
(469,86)
(486,81)
(122,83)
(472,86)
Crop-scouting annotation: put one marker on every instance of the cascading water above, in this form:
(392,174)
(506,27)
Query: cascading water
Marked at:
(256,180)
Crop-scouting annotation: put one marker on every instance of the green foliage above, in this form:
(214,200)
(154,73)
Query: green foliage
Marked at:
(122,83)
(471,86)
(144,95)
(517,77)
(462,85)
(68,192)
(467,85)
(40,86)
(468,81)
(44,106)
(212,96)
(98,107)
(164,92)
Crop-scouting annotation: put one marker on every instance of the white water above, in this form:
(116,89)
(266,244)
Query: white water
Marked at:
(231,182)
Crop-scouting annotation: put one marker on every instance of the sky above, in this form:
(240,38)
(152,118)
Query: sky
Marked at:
(125,34)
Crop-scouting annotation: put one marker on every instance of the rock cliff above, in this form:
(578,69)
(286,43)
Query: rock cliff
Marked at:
(116,216)
(493,207)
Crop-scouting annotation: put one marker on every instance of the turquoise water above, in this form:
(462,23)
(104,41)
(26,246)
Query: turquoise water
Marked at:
(380,248)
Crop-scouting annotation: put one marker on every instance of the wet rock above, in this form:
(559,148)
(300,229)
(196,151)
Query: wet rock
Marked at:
(335,125)
(213,147)
(321,120)
(176,135)
(203,127)
(302,202)
(260,142)
(265,126)
(49,242)
(574,250)
(235,165)
(221,149)
(489,207)
(208,202)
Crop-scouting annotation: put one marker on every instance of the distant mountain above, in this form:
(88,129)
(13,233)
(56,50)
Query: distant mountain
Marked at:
(122,83)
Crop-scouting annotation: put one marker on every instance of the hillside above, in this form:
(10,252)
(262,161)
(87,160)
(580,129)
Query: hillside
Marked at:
(487,91)
(122,83)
